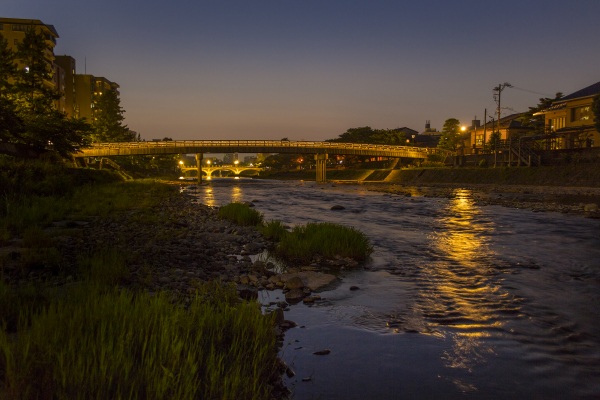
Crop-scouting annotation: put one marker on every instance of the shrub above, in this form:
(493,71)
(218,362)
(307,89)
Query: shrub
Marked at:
(240,214)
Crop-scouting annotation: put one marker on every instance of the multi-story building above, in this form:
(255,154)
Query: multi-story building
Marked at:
(65,67)
(13,30)
(89,89)
(570,120)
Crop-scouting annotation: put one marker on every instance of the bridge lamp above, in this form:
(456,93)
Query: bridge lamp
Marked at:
(236,162)
(207,162)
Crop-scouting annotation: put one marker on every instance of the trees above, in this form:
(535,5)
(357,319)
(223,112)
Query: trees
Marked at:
(366,134)
(596,111)
(27,113)
(538,121)
(7,66)
(108,124)
(450,138)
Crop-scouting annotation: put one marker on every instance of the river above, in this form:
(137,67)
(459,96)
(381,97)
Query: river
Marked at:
(458,300)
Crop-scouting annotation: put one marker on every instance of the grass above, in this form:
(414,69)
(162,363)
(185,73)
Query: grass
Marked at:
(241,214)
(97,344)
(94,339)
(304,242)
(274,230)
(325,239)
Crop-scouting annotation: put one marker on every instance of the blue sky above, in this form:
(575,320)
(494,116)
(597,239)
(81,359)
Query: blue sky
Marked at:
(309,70)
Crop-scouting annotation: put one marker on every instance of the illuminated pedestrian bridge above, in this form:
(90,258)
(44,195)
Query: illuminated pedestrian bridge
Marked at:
(320,150)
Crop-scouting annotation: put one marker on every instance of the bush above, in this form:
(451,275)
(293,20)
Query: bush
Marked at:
(240,214)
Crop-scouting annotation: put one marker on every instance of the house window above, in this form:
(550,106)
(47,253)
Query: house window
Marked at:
(19,27)
(581,113)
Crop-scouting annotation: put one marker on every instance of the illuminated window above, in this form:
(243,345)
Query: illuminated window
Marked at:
(581,113)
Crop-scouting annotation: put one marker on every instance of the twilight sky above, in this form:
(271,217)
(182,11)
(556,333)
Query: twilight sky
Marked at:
(310,69)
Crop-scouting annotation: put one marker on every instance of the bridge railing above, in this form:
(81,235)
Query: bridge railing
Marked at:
(269,143)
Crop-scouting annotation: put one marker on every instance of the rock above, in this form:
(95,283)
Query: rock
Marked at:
(337,207)
(295,282)
(294,295)
(312,280)
(287,324)
(278,316)
(311,299)
(354,288)
(322,352)
(591,207)
(247,292)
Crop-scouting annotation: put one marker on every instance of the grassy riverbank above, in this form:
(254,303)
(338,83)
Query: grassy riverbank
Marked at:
(71,327)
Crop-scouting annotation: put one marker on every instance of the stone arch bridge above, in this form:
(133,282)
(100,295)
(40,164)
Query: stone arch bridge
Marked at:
(237,170)
(320,150)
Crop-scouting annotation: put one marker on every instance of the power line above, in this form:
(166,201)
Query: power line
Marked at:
(531,91)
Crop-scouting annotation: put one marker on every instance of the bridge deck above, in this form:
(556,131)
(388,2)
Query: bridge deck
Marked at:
(254,146)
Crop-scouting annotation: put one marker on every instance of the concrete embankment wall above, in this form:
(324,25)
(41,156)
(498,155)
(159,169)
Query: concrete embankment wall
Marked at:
(566,175)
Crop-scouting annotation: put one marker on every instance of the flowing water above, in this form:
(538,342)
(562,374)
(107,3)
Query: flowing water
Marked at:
(457,301)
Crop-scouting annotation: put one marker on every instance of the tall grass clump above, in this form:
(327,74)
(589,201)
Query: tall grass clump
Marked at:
(325,239)
(105,267)
(241,214)
(274,230)
(98,344)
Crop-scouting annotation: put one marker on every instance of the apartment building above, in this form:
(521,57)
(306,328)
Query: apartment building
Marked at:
(13,30)
(65,69)
(88,90)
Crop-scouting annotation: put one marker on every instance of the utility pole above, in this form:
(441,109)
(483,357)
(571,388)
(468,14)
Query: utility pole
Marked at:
(484,130)
(497,96)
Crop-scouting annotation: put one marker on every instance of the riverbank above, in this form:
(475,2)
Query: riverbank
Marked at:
(140,239)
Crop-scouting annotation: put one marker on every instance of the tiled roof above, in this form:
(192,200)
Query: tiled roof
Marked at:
(585,92)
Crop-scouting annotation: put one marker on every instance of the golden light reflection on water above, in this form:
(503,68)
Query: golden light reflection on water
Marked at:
(235,195)
(461,299)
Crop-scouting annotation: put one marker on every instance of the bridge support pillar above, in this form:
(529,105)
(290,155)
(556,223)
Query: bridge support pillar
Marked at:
(321,164)
(199,157)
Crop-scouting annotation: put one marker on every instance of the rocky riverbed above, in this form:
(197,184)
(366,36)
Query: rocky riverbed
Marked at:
(173,247)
